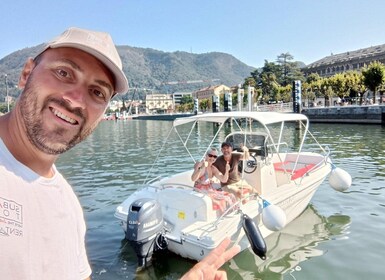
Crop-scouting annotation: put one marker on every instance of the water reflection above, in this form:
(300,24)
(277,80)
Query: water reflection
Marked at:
(353,140)
(294,244)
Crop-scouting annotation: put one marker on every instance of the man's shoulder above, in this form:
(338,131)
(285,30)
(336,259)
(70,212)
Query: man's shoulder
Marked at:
(237,156)
(220,159)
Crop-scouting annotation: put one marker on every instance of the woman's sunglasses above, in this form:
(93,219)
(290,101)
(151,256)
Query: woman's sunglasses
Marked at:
(213,156)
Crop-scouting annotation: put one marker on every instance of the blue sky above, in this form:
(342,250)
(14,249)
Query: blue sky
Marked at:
(250,30)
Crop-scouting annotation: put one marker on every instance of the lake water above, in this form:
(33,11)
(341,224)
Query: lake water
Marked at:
(339,236)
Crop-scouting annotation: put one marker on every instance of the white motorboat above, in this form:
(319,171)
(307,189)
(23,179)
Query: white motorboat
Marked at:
(285,167)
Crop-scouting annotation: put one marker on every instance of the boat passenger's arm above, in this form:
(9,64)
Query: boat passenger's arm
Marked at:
(222,177)
(198,167)
(246,153)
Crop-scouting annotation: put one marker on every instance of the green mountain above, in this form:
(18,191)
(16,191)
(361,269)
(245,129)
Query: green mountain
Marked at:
(151,69)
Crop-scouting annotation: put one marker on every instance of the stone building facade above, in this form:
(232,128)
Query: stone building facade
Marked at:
(351,60)
(159,103)
(210,91)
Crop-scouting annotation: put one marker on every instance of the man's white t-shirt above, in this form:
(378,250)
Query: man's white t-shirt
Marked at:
(42,227)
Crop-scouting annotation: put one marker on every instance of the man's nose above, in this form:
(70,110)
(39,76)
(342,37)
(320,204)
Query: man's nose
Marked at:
(76,96)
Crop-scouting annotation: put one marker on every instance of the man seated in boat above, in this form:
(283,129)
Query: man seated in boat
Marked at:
(234,183)
(207,179)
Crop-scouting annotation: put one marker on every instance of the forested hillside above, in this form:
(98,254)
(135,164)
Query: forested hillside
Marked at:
(150,69)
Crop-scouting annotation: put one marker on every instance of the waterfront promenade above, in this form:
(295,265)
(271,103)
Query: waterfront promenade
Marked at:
(354,114)
(361,114)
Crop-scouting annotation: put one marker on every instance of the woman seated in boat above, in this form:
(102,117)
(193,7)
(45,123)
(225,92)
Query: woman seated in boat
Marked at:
(205,172)
(207,179)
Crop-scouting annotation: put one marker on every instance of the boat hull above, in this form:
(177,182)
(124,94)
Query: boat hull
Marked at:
(194,228)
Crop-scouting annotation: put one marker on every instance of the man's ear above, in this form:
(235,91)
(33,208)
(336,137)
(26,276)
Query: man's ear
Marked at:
(26,72)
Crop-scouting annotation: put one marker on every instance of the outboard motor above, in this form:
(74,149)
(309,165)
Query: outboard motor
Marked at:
(144,228)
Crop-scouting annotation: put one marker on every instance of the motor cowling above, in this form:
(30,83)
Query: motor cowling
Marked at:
(144,226)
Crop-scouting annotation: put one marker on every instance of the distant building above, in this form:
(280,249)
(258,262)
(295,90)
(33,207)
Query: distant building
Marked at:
(351,60)
(159,103)
(210,91)
(115,105)
(177,97)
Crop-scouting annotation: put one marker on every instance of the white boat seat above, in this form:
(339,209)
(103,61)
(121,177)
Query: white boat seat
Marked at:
(183,207)
(221,200)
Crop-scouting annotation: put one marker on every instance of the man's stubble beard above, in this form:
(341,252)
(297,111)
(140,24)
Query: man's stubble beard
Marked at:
(49,142)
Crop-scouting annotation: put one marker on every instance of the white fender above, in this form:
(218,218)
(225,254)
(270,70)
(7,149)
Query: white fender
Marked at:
(273,217)
(339,179)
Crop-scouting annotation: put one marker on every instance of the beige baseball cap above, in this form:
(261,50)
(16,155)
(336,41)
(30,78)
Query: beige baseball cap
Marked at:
(99,45)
